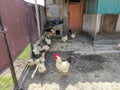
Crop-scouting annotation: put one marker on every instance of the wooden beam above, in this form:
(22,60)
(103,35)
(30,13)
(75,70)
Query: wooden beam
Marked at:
(61,9)
(67,16)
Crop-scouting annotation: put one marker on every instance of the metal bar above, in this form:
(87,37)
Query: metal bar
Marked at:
(11,64)
(38,20)
(45,11)
(29,29)
(23,76)
(39,12)
(11,61)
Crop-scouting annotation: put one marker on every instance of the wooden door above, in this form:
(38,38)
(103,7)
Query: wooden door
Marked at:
(76,16)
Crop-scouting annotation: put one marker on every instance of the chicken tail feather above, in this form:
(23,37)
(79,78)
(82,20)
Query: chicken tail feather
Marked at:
(34,71)
(69,59)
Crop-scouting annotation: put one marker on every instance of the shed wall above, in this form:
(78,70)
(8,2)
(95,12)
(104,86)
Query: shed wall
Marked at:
(118,25)
(109,7)
(89,24)
(91,6)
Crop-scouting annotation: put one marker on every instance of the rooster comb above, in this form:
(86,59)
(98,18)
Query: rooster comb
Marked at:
(56,54)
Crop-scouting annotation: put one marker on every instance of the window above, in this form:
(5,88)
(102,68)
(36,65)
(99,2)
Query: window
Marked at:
(72,1)
(57,32)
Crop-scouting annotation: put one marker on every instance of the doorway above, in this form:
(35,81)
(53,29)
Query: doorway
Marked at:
(75,8)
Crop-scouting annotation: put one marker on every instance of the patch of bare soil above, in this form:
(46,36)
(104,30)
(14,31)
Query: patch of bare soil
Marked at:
(19,66)
(89,72)
(80,68)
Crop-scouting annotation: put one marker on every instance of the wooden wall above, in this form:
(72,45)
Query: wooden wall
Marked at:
(108,23)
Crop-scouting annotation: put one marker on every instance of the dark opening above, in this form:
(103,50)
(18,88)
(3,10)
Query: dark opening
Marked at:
(72,1)
(57,32)
(70,31)
(54,1)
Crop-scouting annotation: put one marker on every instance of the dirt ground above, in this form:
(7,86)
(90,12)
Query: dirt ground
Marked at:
(19,66)
(87,72)
(92,68)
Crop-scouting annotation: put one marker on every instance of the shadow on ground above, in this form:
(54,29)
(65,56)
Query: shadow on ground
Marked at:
(87,70)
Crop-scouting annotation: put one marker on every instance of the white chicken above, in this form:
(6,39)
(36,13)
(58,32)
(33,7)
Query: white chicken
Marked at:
(41,59)
(52,30)
(47,40)
(73,35)
(65,38)
(31,62)
(44,48)
(36,50)
(62,66)
(118,46)
(40,65)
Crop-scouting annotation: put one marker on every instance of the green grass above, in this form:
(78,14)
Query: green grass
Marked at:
(25,55)
(6,82)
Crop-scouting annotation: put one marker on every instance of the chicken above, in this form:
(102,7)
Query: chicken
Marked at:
(36,50)
(73,35)
(41,59)
(62,66)
(40,65)
(40,48)
(65,38)
(118,46)
(44,48)
(49,32)
(47,40)
(31,62)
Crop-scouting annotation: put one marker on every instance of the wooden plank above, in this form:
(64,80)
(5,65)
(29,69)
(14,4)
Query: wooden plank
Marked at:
(108,23)
(76,16)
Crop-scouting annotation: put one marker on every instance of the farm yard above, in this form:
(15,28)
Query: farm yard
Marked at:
(87,71)
(60,45)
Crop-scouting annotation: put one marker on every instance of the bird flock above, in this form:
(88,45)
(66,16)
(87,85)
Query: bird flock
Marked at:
(41,48)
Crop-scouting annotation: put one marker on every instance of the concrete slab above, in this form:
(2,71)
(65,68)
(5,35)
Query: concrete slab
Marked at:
(82,45)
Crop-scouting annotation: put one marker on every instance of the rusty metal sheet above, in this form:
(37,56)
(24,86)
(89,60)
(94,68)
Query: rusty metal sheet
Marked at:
(13,14)
(33,22)
(4,59)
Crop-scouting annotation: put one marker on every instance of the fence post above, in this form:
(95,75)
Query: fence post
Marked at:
(11,61)
(11,65)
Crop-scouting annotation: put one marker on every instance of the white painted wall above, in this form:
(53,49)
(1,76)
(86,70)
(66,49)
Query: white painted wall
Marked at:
(98,21)
(118,25)
(49,1)
(89,23)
